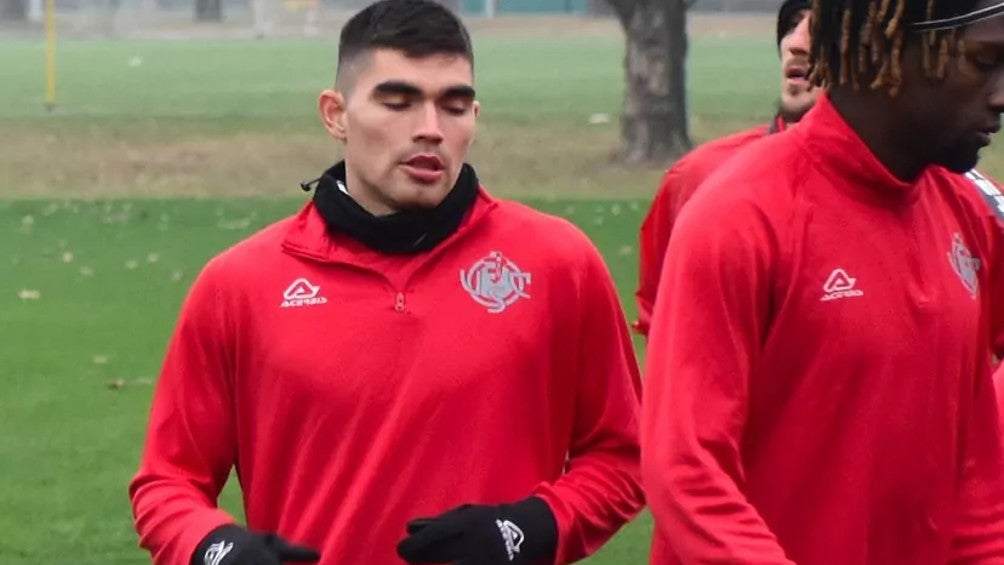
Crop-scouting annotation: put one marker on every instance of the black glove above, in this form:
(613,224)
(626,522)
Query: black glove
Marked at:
(234,545)
(509,534)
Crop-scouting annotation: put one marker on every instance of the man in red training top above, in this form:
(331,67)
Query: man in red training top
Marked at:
(818,384)
(408,370)
(683,178)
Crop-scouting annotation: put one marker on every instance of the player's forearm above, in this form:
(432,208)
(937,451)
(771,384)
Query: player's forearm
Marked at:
(598,495)
(172,516)
(979,531)
(700,510)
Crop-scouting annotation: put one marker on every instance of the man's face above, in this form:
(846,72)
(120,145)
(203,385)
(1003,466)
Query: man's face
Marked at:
(956,118)
(407,124)
(797,95)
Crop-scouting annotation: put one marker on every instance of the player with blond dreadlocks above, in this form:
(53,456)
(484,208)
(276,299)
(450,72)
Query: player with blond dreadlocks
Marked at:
(818,384)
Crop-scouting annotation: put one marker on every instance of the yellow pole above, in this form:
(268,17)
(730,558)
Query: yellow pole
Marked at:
(50,54)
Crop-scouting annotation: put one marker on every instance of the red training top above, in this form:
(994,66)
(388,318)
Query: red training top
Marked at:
(818,387)
(354,391)
(677,187)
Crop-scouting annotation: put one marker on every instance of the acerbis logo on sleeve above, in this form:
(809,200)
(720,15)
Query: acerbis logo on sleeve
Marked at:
(302,293)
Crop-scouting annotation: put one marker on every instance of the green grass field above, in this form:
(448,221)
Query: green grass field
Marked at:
(111,205)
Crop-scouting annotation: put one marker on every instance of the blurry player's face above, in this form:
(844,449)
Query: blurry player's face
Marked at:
(407,124)
(954,119)
(797,95)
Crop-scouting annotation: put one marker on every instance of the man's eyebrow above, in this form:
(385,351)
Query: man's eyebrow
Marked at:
(460,91)
(408,89)
(397,87)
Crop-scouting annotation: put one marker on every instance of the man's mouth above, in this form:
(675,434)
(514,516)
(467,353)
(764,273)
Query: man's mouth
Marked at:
(425,161)
(986,135)
(796,74)
(425,168)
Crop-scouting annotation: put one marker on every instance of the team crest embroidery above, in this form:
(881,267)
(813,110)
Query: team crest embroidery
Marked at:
(964,265)
(495,282)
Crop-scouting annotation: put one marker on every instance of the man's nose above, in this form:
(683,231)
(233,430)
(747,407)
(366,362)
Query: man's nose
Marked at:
(429,128)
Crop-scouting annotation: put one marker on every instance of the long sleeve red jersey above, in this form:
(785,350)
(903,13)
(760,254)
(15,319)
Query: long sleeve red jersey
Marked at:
(999,385)
(354,391)
(677,187)
(818,387)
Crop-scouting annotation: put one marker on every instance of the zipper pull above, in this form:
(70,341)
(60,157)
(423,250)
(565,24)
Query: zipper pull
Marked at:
(399,302)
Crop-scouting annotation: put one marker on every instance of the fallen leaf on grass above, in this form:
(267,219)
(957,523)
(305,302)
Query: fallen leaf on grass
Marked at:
(120,383)
(29,294)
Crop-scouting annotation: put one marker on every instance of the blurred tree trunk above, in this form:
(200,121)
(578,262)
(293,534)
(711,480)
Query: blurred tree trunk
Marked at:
(654,127)
(452,4)
(14,10)
(209,10)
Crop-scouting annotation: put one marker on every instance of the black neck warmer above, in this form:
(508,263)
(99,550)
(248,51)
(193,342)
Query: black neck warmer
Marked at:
(408,231)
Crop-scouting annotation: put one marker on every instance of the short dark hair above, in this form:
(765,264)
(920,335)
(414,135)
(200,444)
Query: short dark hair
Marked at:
(787,18)
(860,42)
(418,28)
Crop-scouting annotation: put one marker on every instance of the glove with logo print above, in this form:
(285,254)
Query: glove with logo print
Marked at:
(234,545)
(509,534)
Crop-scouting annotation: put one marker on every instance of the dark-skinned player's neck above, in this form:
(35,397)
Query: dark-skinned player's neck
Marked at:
(871,114)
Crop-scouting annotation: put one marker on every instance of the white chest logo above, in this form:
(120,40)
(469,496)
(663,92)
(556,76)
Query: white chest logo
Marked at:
(964,265)
(840,285)
(495,282)
(302,293)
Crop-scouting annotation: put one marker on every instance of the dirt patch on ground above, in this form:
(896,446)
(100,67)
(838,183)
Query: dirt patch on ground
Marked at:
(80,165)
(110,162)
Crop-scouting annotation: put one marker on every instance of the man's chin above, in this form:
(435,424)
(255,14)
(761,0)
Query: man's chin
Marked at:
(961,164)
(792,111)
(421,197)
(961,161)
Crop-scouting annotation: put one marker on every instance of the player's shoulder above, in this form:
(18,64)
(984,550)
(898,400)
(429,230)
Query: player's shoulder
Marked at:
(758,190)
(536,224)
(709,155)
(981,191)
(252,255)
(731,142)
(768,172)
(550,236)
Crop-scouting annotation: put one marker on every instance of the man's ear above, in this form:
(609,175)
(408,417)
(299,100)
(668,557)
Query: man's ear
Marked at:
(477,108)
(331,105)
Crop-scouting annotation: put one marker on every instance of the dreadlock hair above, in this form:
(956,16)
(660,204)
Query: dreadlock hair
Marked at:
(860,42)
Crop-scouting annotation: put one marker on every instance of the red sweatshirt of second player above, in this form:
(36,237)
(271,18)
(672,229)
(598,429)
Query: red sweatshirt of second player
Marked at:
(677,187)
(818,387)
(354,391)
